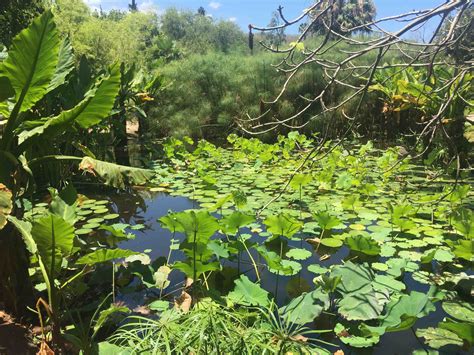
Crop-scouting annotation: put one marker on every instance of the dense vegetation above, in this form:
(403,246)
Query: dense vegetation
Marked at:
(292,242)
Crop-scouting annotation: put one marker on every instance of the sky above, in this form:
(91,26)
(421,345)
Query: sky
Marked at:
(258,12)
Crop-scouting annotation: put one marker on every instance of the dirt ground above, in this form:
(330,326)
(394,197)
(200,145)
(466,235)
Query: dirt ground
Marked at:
(15,339)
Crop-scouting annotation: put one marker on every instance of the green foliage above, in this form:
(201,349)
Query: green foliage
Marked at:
(15,15)
(248,293)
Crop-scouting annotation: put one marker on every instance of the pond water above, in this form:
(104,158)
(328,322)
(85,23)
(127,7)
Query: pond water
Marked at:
(143,207)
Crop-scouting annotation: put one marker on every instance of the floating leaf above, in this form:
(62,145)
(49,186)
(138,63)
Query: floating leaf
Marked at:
(298,254)
(104,255)
(439,337)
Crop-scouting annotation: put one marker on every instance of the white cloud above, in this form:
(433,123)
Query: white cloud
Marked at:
(148,6)
(233,19)
(214,5)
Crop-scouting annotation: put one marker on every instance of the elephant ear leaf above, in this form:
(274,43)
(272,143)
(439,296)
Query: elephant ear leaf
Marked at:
(32,61)
(5,205)
(54,238)
(115,175)
(6,90)
(96,106)
(64,67)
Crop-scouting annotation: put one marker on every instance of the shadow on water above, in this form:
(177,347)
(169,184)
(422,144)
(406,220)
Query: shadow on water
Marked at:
(144,207)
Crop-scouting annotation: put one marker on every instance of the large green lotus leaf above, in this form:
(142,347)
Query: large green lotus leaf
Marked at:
(354,277)
(32,61)
(96,106)
(170,222)
(283,225)
(363,244)
(386,282)
(233,222)
(364,304)
(353,337)
(439,337)
(463,221)
(462,311)
(300,180)
(54,238)
(104,255)
(298,254)
(273,260)
(402,312)
(463,330)
(5,205)
(201,268)
(326,221)
(248,293)
(464,249)
(115,175)
(305,308)
(198,226)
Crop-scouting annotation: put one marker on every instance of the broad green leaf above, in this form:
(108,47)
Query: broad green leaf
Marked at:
(300,180)
(24,228)
(364,304)
(439,337)
(326,221)
(159,306)
(248,293)
(54,238)
(96,106)
(331,242)
(112,312)
(463,221)
(354,337)
(104,255)
(298,254)
(462,311)
(115,175)
(198,226)
(6,205)
(201,268)
(32,61)
(273,260)
(363,244)
(233,222)
(65,65)
(463,330)
(305,308)
(282,225)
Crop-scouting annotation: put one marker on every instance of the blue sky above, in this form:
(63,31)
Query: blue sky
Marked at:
(258,12)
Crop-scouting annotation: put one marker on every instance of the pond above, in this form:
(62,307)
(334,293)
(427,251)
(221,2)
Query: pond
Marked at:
(146,208)
(380,245)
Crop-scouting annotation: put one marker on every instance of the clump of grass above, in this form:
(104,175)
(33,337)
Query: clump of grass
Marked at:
(214,328)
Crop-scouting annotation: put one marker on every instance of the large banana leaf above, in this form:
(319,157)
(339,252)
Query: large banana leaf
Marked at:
(5,205)
(92,110)
(115,175)
(54,238)
(32,61)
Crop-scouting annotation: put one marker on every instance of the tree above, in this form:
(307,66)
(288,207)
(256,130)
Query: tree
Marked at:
(16,15)
(201,11)
(276,37)
(344,15)
(133,6)
(353,63)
